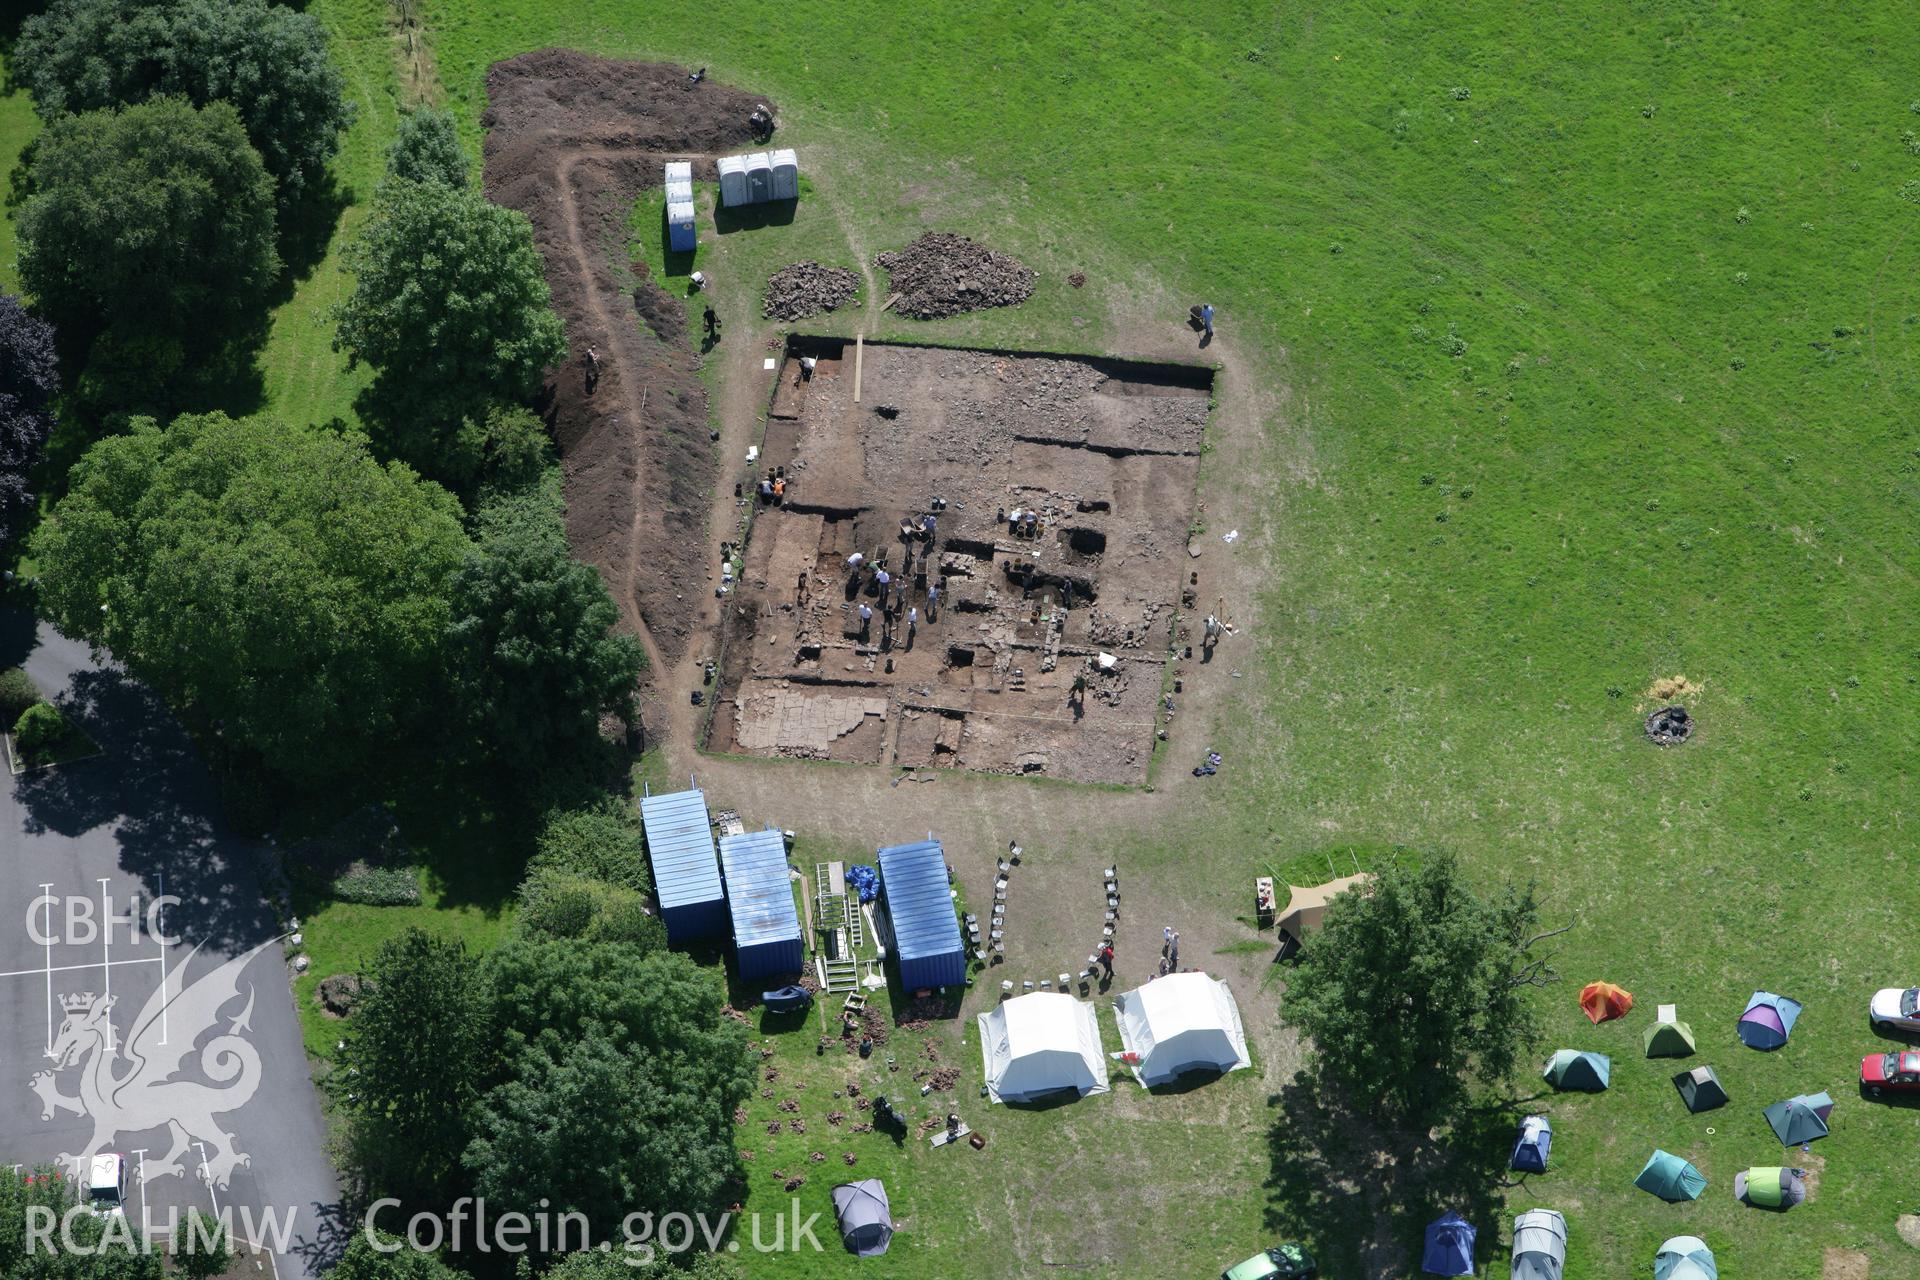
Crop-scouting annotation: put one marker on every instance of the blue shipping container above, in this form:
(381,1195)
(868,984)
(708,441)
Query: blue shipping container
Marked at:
(920,915)
(686,871)
(766,925)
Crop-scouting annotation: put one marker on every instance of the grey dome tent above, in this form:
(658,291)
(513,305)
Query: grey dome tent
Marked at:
(1685,1258)
(1571,1069)
(866,1220)
(1534,1145)
(1539,1245)
(1700,1089)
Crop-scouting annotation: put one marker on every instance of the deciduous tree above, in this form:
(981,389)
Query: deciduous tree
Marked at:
(617,1083)
(450,306)
(150,244)
(427,149)
(29,379)
(1418,985)
(537,657)
(268,60)
(274,579)
(416,1046)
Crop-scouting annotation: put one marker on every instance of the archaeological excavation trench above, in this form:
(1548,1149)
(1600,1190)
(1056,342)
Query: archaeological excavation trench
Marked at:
(1061,490)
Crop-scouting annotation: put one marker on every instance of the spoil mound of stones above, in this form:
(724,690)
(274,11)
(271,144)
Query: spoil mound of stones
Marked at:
(942,275)
(808,289)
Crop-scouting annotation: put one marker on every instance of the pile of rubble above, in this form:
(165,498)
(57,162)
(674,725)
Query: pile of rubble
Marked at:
(808,289)
(946,275)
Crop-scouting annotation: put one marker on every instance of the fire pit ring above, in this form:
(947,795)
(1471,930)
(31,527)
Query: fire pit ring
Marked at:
(1670,726)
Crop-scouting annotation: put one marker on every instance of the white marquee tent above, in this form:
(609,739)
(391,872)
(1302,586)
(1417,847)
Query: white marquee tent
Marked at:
(1041,1044)
(1182,1022)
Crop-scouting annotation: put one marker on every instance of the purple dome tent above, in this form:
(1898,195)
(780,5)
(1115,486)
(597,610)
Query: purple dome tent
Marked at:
(1768,1020)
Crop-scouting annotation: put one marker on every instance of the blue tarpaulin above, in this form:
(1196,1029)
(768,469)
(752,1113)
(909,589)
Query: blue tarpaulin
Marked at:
(865,879)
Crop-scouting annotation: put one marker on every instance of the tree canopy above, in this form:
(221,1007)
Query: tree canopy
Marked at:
(1413,985)
(619,1083)
(275,579)
(100,1256)
(603,842)
(538,659)
(417,1044)
(361,1261)
(29,379)
(269,61)
(427,149)
(450,306)
(151,239)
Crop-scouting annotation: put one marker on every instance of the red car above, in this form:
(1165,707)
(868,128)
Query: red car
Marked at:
(1891,1072)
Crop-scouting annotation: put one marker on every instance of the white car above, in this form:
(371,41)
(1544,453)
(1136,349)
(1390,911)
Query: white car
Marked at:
(107,1184)
(1895,1009)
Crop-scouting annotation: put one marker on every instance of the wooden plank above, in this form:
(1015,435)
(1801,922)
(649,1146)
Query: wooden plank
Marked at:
(859,349)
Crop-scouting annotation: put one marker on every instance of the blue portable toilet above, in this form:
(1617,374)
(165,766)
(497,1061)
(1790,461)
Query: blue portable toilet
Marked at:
(1534,1145)
(1449,1250)
(918,909)
(686,871)
(766,925)
(681,237)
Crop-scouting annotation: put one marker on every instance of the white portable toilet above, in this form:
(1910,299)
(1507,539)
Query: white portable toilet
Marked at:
(681,237)
(733,182)
(679,171)
(786,175)
(759,177)
(679,192)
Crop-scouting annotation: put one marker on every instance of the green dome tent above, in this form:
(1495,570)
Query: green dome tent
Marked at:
(1671,1178)
(1800,1119)
(1765,1188)
(1700,1089)
(1667,1040)
(1571,1069)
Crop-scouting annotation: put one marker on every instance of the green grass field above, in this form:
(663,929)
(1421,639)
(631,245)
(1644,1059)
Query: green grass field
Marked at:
(1585,338)
(1589,339)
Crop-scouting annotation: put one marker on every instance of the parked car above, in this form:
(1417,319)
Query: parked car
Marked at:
(1895,1009)
(1891,1073)
(107,1184)
(1282,1262)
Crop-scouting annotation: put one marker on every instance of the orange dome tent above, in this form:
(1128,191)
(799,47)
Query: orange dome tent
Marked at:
(1604,1002)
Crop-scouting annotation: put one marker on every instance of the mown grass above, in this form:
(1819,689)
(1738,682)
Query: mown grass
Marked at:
(18,127)
(343,937)
(306,380)
(1584,340)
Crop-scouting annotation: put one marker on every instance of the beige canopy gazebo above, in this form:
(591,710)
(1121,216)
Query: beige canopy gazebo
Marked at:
(1308,904)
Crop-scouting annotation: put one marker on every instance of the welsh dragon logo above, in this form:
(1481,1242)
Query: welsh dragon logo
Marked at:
(130,1084)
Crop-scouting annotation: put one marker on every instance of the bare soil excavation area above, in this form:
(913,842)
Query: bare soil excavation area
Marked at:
(1103,452)
(572,140)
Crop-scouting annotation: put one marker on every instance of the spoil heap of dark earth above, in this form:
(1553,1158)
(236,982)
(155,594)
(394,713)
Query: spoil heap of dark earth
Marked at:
(942,275)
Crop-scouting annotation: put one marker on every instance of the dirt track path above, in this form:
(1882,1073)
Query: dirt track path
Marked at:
(619,340)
